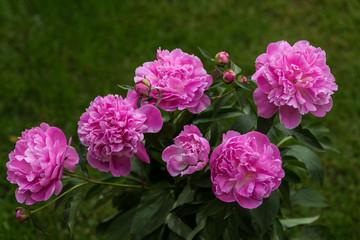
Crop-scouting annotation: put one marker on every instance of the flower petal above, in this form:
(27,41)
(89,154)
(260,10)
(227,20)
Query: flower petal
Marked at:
(290,116)
(266,109)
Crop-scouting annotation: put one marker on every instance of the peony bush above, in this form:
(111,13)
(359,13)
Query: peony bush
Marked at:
(189,155)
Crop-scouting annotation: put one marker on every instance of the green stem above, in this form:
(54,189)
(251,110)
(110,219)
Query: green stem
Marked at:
(232,90)
(89,180)
(284,140)
(60,196)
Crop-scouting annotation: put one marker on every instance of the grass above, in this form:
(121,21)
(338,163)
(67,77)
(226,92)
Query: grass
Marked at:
(57,56)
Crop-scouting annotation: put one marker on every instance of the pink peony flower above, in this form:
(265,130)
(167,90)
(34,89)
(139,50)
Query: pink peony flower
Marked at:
(113,128)
(189,154)
(36,165)
(245,168)
(295,80)
(181,79)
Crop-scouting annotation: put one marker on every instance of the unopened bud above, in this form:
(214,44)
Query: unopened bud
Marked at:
(143,88)
(222,58)
(229,76)
(22,214)
(243,79)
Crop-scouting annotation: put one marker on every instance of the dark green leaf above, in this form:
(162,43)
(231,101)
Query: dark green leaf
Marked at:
(244,123)
(327,144)
(264,124)
(219,103)
(186,196)
(220,115)
(311,161)
(235,68)
(205,53)
(292,222)
(308,197)
(264,215)
(216,84)
(197,229)
(70,210)
(240,97)
(151,212)
(178,226)
(284,189)
(303,135)
(126,87)
(291,176)
(83,160)
(242,85)
(37,225)
(213,133)
(277,231)
(119,228)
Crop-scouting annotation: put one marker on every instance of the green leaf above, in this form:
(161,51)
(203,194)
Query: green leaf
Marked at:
(82,159)
(151,212)
(311,161)
(205,54)
(219,103)
(119,228)
(327,144)
(70,210)
(244,123)
(200,226)
(277,231)
(178,226)
(264,215)
(308,197)
(240,97)
(212,134)
(126,87)
(292,222)
(284,189)
(264,124)
(242,85)
(186,196)
(302,135)
(235,68)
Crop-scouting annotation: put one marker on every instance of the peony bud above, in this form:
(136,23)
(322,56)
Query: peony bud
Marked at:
(243,79)
(222,58)
(22,214)
(229,76)
(142,88)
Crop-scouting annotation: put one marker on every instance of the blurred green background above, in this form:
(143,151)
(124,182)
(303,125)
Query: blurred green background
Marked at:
(57,56)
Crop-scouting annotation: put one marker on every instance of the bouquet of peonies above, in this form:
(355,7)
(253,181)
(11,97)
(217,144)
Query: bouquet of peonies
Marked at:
(215,160)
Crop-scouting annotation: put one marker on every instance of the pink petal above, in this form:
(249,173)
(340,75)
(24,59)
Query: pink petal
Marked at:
(290,116)
(153,120)
(249,203)
(120,165)
(71,160)
(95,163)
(170,151)
(204,101)
(175,166)
(20,196)
(321,110)
(266,109)
(225,197)
(141,153)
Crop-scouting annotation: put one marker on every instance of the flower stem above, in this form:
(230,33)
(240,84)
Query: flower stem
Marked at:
(232,90)
(89,180)
(284,140)
(60,196)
